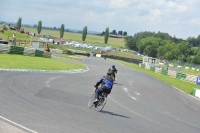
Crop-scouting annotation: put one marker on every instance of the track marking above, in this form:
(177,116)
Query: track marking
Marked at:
(18,125)
(130,83)
(137,93)
(126,90)
(50,79)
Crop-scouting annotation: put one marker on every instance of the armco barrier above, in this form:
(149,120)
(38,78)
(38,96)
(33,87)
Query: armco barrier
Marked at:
(85,54)
(16,50)
(4,48)
(131,60)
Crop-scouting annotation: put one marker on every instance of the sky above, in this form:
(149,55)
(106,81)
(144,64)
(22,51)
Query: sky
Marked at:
(180,18)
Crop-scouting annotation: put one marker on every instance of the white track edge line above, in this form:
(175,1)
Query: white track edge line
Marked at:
(18,124)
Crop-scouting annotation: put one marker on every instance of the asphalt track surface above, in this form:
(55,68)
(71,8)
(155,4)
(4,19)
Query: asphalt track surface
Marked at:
(57,103)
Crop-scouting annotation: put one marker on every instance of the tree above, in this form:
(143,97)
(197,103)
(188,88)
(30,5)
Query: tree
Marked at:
(19,23)
(106,35)
(125,33)
(148,46)
(84,33)
(184,48)
(62,29)
(114,32)
(196,59)
(130,43)
(120,32)
(39,27)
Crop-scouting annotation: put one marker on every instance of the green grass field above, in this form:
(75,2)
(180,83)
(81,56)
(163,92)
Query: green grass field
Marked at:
(27,62)
(125,54)
(72,57)
(191,72)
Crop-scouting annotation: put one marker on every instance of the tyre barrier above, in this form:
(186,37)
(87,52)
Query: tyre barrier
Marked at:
(196,92)
(4,48)
(11,49)
(29,51)
(174,74)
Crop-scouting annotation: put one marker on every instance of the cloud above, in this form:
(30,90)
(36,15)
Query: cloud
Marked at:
(119,3)
(195,21)
(127,15)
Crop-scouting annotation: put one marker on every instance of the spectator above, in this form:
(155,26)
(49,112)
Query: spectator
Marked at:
(47,48)
(14,38)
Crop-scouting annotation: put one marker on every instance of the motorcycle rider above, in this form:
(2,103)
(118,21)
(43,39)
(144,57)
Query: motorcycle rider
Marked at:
(106,83)
(113,70)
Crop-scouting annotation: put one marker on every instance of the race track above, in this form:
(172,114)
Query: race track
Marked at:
(57,103)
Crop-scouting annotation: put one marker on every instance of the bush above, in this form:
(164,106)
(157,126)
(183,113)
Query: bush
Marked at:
(68,52)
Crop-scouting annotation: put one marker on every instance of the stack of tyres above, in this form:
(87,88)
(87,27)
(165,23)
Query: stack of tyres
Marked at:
(39,53)
(16,50)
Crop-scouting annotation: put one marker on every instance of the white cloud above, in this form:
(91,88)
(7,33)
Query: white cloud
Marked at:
(119,3)
(146,14)
(195,21)
(155,15)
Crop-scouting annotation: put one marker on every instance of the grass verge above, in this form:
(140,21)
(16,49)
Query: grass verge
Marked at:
(182,85)
(72,57)
(191,72)
(27,62)
(125,54)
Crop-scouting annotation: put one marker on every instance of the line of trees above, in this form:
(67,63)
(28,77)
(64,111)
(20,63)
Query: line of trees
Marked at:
(162,45)
(114,32)
(62,30)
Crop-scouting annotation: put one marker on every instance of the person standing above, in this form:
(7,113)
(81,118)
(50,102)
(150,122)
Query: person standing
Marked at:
(14,38)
